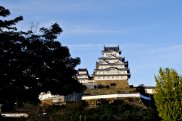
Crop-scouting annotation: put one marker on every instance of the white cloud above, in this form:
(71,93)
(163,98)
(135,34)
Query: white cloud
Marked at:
(139,48)
(57,6)
(78,30)
(89,46)
(84,46)
(172,49)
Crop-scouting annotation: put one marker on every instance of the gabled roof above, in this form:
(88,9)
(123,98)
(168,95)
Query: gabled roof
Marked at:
(82,69)
(116,58)
(107,69)
(111,48)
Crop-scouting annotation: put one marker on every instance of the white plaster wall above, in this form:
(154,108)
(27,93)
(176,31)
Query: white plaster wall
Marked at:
(82,72)
(112,72)
(116,96)
(14,115)
(48,95)
(111,54)
(83,80)
(111,78)
(149,91)
(80,76)
(110,96)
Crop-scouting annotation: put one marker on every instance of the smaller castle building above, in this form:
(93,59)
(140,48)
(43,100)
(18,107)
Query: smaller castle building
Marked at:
(83,75)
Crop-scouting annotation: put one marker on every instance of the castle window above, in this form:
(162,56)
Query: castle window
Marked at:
(113,84)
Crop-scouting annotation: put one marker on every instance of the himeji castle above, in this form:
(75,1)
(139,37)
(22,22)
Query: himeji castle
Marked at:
(111,70)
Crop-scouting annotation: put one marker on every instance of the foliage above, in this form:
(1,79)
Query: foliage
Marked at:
(168,94)
(118,110)
(33,63)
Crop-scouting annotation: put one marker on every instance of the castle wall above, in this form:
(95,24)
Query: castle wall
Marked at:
(113,83)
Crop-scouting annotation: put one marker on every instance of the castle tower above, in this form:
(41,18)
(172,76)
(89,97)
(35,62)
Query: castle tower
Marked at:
(84,78)
(112,69)
(83,75)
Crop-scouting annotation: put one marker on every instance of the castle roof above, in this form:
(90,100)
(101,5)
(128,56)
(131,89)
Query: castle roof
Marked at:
(82,69)
(107,69)
(111,48)
(115,58)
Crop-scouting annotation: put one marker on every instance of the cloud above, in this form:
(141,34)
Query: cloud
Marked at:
(152,49)
(148,57)
(88,46)
(84,46)
(43,6)
(63,10)
(177,48)
(55,6)
(140,48)
(145,60)
(91,29)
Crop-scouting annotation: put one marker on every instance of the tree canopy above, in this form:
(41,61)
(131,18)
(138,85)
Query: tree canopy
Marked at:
(168,94)
(32,63)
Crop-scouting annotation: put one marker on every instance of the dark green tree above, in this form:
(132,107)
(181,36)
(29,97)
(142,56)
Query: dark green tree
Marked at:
(49,65)
(168,95)
(32,63)
(10,51)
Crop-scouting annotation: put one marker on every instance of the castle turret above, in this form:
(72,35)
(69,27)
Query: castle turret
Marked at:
(83,75)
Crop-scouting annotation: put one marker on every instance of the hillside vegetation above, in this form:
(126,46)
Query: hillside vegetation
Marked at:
(116,110)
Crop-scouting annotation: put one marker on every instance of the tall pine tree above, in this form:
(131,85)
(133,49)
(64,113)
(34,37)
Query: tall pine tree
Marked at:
(10,51)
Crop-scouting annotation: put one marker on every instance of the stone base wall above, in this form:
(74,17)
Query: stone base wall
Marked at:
(132,101)
(113,83)
(105,91)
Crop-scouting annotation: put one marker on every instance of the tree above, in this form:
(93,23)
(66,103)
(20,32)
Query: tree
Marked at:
(10,50)
(168,94)
(32,63)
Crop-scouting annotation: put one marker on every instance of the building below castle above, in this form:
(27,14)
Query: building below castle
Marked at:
(111,70)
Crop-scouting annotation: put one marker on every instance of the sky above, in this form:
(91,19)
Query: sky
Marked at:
(148,32)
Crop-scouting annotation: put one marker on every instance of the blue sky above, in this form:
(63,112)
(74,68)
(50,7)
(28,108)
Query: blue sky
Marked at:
(149,32)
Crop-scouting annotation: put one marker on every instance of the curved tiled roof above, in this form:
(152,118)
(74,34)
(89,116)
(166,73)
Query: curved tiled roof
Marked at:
(111,48)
